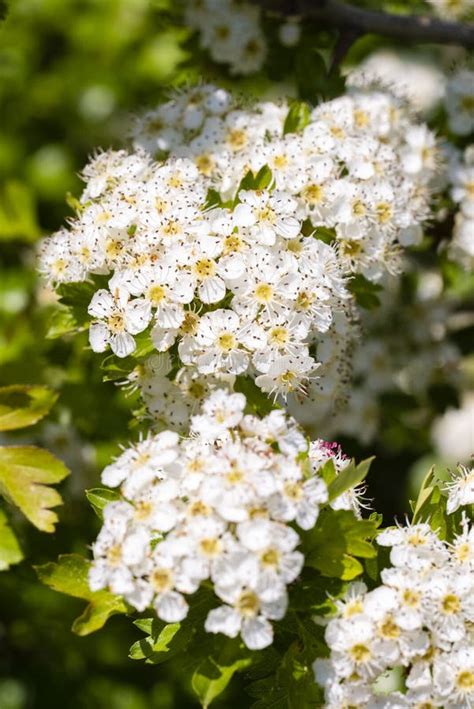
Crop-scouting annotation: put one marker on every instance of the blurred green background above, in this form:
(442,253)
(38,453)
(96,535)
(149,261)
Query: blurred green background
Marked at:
(71,73)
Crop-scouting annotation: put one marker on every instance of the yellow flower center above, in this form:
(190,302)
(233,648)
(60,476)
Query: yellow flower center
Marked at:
(204,268)
(389,629)
(451,604)
(210,547)
(280,161)
(411,598)
(353,608)
(190,323)
(270,557)
(143,510)
(237,139)
(293,491)
(205,164)
(263,293)
(384,212)
(199,509)
(233,243)
(156,294)
(116,323)
(465,680)
(248,604)
(161,580)
(358,208)
(226,342)
(114,555)
(313,194)
(279,336)
(360,653)
(361,118)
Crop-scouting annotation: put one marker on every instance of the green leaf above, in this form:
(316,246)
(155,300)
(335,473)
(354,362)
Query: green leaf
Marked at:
(61,322)
(165,641)
(364,291)
(212,676)
(18,218)
(77,297)
(298,117)
(348,478)
(10,550)
(25,473)
(100,497)
(256,181)
(425,492)
(24,405)
(257,401)
(334,543)
(328,472)
(69,576)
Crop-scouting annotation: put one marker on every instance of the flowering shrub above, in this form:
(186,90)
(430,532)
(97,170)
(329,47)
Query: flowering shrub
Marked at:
(260,276)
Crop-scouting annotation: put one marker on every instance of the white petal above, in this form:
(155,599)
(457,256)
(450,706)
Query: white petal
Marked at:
(137,315)
(224,620)
(212,290)
(102,304)
(171,607)
(288,227)
(243,215)
(98,337)
(257,633)
(122,345)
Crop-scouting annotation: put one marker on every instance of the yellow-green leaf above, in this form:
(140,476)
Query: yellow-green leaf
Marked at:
(10,550)
(69,576)
(348,478)
(25,474)
(23,405)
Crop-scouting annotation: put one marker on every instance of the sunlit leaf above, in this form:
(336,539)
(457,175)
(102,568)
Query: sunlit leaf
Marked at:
(349,477)
(100,497)
(25,475)
(24,405)
(10,550)
(69,576)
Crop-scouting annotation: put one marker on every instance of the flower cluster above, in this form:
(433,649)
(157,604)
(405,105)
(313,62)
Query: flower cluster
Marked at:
(357,167)
(230,31)
(419,619)
(459,101)
(222,505)
(461,248)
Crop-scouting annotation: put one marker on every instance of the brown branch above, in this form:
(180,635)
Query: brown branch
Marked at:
(405,27)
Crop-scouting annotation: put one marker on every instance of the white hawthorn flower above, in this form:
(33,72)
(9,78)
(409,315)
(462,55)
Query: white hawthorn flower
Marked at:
(116,323)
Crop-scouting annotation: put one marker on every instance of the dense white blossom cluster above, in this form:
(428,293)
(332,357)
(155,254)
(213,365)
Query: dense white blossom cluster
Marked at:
(419,619)
(360,167)
(223,504)
(459,101)
(461,248)
(231,31)
(244,287)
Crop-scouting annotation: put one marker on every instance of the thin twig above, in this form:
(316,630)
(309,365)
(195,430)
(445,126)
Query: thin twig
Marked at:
(418,28)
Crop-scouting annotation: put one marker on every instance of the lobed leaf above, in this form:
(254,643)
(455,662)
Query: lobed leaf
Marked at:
(338,538)
(10,550)
(25,475)
(23,405)
(69,576)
